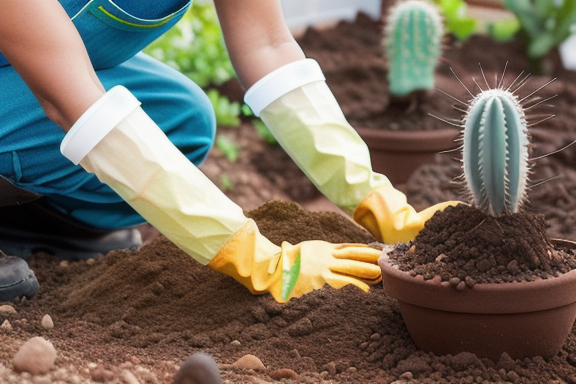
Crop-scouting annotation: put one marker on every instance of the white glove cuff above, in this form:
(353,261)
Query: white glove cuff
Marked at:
(281,81)
(94,124)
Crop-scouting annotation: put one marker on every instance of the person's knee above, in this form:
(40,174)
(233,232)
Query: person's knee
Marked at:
(192,123)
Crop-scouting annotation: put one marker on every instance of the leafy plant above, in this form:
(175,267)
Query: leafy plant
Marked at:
(227,112)
(455,19)
(412,44)
(195,47)
(226,182)
(543,25)
(228,147)
(495,151)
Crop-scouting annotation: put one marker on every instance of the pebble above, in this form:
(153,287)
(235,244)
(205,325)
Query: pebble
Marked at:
(36,356)
(4,309)
(6,325)
(249,362)
(283,373)
(47,322)
(200,368)
(127,376)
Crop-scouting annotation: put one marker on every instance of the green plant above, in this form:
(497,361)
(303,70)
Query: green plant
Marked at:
(227,112)
(228,147)
(543,25)
(495,151)
(455,19)
(195,47)
(226,182)
(412,44)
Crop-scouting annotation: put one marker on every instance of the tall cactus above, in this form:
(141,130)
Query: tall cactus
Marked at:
(495,151)
(412,44)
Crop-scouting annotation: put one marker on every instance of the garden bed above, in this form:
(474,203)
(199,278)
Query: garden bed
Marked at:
(142,313)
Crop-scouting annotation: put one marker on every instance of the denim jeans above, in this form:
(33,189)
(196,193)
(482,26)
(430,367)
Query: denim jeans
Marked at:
(30,143)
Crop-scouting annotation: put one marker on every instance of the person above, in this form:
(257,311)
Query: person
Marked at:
(97,137)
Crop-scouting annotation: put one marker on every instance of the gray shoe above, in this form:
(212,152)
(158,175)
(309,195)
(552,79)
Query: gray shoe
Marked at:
(17,280)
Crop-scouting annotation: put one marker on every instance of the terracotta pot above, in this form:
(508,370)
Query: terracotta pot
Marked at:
(397,154)
(522,319)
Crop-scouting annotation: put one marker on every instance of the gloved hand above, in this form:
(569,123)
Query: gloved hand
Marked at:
(386,214)
(116,140)
(301,112)
(293,270)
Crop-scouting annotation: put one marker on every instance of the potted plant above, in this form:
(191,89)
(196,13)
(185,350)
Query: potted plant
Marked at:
(412,41)
(485,278)
(541,26)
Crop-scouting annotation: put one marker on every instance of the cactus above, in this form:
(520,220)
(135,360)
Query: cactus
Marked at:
(495,151)
(412,44)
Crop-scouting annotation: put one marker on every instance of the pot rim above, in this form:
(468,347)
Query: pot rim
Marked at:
(514,297)
(416,141)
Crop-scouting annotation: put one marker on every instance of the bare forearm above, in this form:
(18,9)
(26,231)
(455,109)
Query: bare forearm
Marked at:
(42,44)
(257,37)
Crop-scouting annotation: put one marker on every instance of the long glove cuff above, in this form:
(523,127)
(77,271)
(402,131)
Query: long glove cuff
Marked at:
(138,161)
(282,81)
(94,124)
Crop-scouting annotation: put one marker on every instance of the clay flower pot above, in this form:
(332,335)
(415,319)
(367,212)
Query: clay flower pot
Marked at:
(522,319)
(397,154)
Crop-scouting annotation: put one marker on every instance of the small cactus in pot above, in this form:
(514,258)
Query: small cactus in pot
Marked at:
(495,151)
(486,278)
(412,44)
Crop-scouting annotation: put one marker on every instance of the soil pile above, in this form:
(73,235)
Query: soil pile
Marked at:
(142,313)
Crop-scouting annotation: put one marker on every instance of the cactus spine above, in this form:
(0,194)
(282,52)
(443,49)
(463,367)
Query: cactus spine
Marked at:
(495,151)
(412,44)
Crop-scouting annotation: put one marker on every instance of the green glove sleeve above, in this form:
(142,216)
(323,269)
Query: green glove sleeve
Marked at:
(307,121)
(116,140)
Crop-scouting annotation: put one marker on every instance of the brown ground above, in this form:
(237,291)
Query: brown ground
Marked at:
(136,316)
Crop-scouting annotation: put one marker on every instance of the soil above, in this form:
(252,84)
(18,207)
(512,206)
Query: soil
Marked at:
(134,316)
(465,245)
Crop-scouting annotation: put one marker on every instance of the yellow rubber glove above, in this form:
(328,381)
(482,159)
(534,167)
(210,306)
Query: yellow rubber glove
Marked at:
(116,140)
(293,270)
(301,112)
(386,214)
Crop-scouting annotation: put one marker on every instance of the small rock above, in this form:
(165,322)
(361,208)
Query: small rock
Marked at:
(454,281)
(461,286)
(470,281)
(236,342)
(249,362)
(441,257)
(506,362)
(126,376)
(283,373)
(200,368)
(513,266)
(100,374)
(36,356)
(47,322)
(7,309)
(6,325)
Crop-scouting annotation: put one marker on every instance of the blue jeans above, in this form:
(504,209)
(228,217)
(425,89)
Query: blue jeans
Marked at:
(30,143)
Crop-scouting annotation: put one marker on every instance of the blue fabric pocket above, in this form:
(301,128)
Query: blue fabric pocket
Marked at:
(112,35)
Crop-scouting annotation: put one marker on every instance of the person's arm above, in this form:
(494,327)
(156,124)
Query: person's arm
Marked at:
(44,47)
(290,95)
(257,37)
